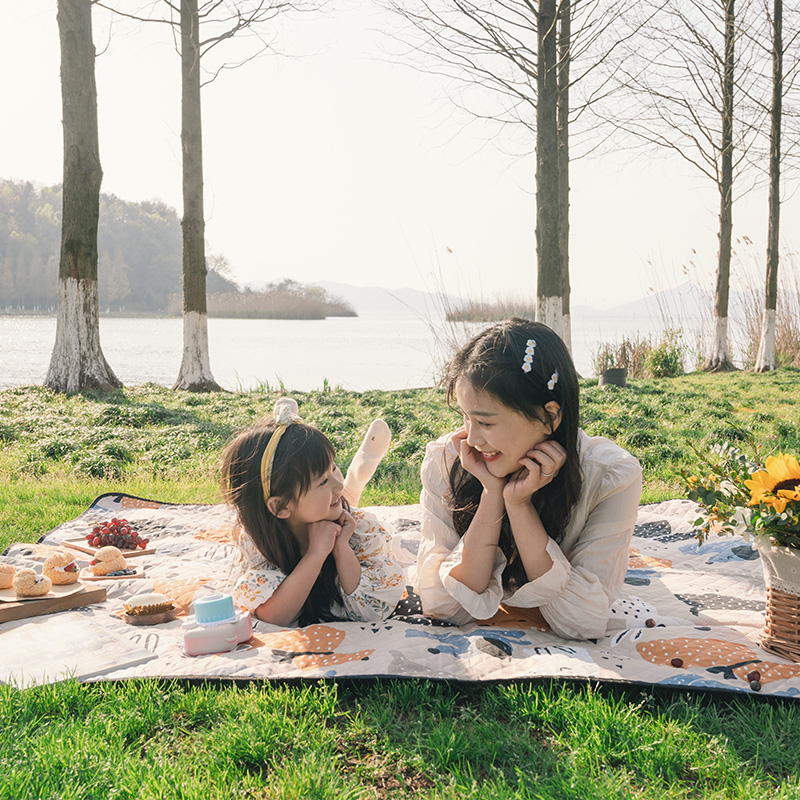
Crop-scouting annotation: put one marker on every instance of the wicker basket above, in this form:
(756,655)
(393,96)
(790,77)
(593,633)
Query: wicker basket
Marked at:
(781,634)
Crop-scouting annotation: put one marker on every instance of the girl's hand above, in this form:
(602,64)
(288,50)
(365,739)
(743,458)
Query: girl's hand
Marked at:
(348,526)
(539,466)
(473,463)
(322,537)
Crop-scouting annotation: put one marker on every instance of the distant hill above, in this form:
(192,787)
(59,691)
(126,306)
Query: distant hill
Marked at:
(139,262)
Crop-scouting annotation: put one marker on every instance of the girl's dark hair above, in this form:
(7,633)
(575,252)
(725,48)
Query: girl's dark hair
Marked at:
(492,362)
(303,453)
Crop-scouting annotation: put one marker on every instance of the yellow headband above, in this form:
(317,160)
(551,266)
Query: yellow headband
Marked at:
(285,414)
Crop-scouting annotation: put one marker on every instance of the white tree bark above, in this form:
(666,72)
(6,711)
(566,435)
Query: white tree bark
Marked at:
(549,311)
(765,360)
(718,354)
(77,362)
(195,372)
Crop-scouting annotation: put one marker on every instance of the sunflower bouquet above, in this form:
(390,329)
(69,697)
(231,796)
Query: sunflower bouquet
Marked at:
(739,495)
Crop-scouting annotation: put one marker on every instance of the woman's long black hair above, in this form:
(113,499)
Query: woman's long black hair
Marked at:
(492,362)
(303,454)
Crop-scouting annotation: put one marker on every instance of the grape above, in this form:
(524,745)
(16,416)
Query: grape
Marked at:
(117,532)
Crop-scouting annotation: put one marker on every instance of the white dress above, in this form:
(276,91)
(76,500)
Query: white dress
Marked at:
(381,585)
(589,566)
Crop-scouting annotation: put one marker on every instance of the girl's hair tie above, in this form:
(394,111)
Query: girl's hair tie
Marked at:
(284,414)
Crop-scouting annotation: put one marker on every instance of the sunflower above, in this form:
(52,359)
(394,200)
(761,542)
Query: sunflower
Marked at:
(777,485)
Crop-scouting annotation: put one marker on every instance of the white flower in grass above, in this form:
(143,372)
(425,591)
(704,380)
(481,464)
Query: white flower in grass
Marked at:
(553,381)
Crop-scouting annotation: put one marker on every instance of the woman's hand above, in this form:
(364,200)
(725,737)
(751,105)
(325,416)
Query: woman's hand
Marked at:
(322,537)
(347,524)
(473,463)
(539,466)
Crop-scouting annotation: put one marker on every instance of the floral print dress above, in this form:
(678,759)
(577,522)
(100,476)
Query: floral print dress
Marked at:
(378,592)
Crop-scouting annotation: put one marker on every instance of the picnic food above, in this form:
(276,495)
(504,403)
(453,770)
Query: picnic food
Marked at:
(6,575)
(28,583)
(107,560)
(145,604)
(61,568)
(117,532)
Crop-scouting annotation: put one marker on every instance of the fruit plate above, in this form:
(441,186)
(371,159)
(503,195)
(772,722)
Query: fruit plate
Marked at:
(84,547)
(88,575)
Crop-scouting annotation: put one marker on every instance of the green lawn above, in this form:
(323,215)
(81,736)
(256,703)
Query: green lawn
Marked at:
(153,739)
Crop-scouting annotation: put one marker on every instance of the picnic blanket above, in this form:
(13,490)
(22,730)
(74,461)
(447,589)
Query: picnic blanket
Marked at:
(689,616)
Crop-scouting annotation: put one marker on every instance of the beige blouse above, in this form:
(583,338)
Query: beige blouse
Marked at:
(589,566)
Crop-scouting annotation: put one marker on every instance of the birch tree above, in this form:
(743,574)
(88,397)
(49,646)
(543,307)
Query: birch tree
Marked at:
(683,84)
(529,65)
(783,82)
(199,26)
(77,362)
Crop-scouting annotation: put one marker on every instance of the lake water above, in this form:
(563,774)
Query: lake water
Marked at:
(356,353)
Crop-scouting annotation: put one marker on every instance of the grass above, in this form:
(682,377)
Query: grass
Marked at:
(152,739)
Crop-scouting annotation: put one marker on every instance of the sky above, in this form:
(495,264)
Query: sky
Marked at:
(336,162)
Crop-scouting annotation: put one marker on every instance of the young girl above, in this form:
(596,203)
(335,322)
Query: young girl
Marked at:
(307,557)
(520,505)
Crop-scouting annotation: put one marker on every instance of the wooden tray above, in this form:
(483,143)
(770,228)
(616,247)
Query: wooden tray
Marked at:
(57,590)
(88,575)
(81,545)
(49,605)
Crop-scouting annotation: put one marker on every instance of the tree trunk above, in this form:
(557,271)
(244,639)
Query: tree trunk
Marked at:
(77,362)
(718,359)
(564,44)
(549,301)
(765,359)
(195,372)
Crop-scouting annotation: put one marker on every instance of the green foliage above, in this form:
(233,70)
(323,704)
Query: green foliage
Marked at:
(640,357)
(665,360)
(139,251)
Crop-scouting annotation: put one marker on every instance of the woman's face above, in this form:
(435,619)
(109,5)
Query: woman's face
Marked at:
(501,435)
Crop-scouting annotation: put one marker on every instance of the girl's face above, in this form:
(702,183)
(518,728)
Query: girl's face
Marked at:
(322,501)
(501,435)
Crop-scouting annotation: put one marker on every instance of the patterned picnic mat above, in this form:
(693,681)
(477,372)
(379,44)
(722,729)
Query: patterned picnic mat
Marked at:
(689,616)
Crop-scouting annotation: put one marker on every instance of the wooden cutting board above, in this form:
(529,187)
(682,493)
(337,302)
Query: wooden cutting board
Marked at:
(49,605)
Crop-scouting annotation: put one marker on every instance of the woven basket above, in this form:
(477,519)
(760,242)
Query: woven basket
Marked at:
(781,634)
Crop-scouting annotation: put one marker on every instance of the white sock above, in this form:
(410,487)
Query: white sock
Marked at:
(366,460)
